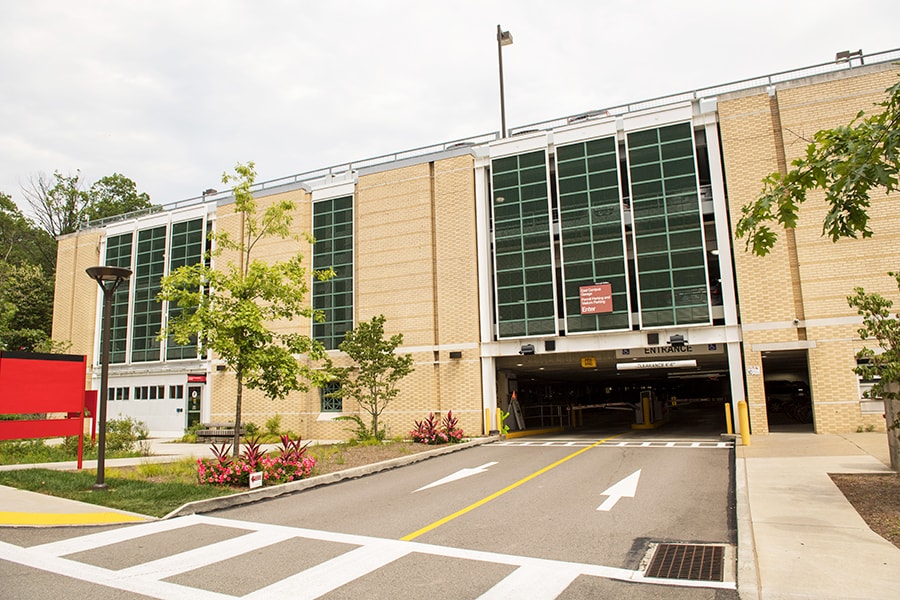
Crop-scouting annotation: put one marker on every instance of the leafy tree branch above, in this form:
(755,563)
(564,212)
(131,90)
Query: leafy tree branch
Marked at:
(847,163)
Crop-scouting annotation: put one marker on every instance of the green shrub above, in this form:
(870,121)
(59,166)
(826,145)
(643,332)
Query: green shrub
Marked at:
(123,434)
(273,425)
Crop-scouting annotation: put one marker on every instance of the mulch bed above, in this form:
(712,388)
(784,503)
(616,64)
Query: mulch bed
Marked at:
(876,497)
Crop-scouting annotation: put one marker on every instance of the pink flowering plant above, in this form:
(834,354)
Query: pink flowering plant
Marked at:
(288,463)
(431,431)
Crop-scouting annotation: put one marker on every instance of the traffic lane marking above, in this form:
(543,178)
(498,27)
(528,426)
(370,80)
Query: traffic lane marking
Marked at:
(626,488)
(556,515)
(461,474)
(384,504)
(434,525)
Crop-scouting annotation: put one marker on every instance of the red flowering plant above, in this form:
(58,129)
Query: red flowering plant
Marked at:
(429,431)
(288,464)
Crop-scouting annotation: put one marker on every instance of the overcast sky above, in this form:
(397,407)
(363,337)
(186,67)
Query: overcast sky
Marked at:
(172,93)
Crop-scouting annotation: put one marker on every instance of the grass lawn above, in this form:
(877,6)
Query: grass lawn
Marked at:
(149,489)
(156,489)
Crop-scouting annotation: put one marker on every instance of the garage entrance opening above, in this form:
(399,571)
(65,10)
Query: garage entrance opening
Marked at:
(558,391)
(788,399)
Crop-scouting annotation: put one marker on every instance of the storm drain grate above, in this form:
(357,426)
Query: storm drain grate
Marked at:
(688,561)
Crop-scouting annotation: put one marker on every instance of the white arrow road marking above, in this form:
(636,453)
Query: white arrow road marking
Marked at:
(458,475)
(625,488)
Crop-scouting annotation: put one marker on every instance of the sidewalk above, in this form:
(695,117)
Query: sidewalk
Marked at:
(798,536)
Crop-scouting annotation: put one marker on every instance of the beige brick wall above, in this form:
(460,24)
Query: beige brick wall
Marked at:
(827,272)
(76,295)
(416,264)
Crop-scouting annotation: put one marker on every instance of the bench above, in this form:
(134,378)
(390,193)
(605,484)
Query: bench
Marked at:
(216,432)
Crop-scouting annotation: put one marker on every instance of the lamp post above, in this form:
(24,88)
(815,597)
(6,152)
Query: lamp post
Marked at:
(109,279)
(504,38)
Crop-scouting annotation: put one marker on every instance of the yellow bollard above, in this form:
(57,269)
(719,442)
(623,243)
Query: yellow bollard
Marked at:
(487,421)
(744,421)
(729,425)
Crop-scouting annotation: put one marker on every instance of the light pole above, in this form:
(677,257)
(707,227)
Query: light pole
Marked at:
(504,38)
(109,279)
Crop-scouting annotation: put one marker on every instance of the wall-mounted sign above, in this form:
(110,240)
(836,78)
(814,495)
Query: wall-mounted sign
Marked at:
(596,298)
(657,364)
(196,377)
(588,362)
(668,350)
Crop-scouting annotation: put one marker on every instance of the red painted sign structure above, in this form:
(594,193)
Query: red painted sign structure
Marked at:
(596,298)
(34,384)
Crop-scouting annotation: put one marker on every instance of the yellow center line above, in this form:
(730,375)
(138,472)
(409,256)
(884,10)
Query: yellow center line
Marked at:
(497,494)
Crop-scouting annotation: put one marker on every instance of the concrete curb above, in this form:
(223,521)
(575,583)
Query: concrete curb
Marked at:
(210,504)
(747,573)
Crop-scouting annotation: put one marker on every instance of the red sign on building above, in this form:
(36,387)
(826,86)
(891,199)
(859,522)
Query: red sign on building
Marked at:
(596,298)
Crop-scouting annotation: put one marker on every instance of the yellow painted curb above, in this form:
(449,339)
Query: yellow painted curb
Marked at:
(19,518)
(527,432)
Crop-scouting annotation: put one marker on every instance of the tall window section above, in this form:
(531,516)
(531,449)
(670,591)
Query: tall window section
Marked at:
(147,319)
(333,232)
(118,254)
(523,245)
(185,248)
(668,227)
(593,246)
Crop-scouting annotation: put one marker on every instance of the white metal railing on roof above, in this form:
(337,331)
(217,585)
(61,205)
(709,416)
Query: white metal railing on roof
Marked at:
(846,62)
(849,62)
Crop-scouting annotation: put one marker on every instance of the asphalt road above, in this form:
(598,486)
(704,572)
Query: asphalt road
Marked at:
(557,517)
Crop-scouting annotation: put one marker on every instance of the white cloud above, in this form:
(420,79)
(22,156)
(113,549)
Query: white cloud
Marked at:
(174,93)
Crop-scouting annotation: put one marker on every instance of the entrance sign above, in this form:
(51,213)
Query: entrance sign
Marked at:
(589,362)
(671,351)
(596,299)
(256,479)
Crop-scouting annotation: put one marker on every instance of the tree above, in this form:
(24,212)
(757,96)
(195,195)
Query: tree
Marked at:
(882,366)
(372,381)
(847,162)
(58,201)
(21,241)
(114,195)
(26,307)
(62,205)
(27,263)
(231,308)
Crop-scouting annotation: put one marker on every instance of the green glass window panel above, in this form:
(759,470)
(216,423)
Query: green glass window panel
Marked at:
(683,277)
(509,261)
(643,138)
(512,312)
(649,172)
(506,180)
(572,185)
(643,156)
(667,231)
(185,248)
(523,244)
(564,153)
(676,133)
(333,248)
(149,265)
(593,246)
(118,254)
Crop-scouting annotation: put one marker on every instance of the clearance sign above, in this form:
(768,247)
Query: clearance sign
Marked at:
(596,298)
